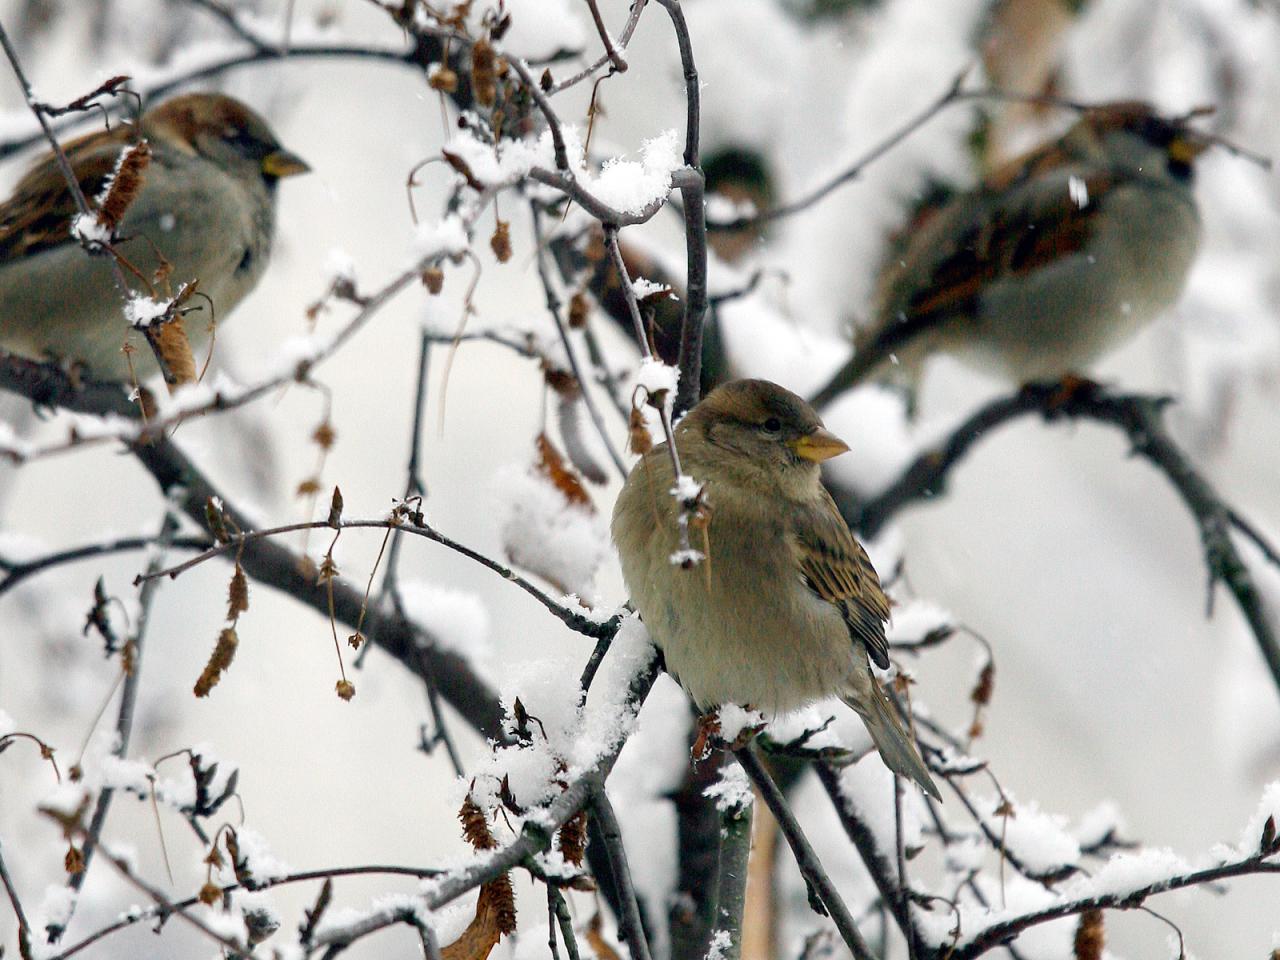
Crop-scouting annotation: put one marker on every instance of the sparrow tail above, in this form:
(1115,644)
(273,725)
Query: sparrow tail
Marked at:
(895,744)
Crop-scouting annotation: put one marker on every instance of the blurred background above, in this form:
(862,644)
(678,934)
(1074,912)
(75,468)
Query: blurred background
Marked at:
(1074,560)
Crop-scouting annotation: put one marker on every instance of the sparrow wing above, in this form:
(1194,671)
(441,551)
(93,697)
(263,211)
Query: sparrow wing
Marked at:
(1016,223)
(838,570)
(38,215)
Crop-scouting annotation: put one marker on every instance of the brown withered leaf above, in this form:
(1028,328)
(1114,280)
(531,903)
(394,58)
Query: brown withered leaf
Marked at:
(595,937)
(551,464)
(463,168)
(495,917)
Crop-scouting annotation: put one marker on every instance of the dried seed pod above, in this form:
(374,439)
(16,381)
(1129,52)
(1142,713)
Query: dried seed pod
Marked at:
(484,73)
(224,651)
(1090,936)
(433,280)
(324,435)
(335,509)
(578,310)
(169,338)
(124,185)
(210,894)
(573,838)
(346,689)
(638,440)
(475,826)
(443,79)
(500,242)
(237,594)
(73,862)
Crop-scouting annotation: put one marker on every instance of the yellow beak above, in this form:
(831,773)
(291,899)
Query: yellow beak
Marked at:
(1185,148)
(281,163)
(820,445)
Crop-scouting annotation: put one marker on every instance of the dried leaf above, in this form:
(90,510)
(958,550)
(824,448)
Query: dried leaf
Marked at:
(462,167)
(495,917)
(982,690)
(551,465)
(597,942)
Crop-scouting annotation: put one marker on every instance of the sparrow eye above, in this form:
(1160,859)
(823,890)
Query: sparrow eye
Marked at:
(772,425)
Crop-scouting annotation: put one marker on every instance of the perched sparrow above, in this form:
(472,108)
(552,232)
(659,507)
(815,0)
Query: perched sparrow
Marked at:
(785,607)
(206,206)
(1050,262)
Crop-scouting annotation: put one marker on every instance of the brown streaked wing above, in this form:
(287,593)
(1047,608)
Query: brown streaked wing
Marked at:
(38,215)
(1006,244)
(839,571)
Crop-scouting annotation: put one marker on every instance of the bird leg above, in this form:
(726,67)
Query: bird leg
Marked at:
(1071,387)
(709,736)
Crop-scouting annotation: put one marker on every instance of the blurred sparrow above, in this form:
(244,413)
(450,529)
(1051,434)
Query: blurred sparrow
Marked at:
(206,206)
(1050,262)
(785,607)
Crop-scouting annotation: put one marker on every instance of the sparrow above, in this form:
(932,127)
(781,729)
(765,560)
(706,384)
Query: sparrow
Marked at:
(204,214)
(1054,259)
(784,608)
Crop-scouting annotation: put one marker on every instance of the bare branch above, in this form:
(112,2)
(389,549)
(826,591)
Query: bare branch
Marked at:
(630,925)
(810,867)
(1139,417)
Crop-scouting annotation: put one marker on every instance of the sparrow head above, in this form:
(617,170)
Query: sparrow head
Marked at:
(1135,137)
(225,131)
(762,432)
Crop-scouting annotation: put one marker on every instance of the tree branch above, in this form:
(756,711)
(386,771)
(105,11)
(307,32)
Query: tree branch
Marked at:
(810,867)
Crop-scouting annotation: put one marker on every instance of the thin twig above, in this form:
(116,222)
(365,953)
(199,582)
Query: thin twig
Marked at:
(553,307)
(24,928)
(124,718)
(1001,931)
(15,573)
(232,22)
(952,94)
(637,7)
(614,57)
(695,225)
(575,621)
(810,867)
(630,925)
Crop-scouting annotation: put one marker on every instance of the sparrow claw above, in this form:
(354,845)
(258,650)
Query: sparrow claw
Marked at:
(709,736)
